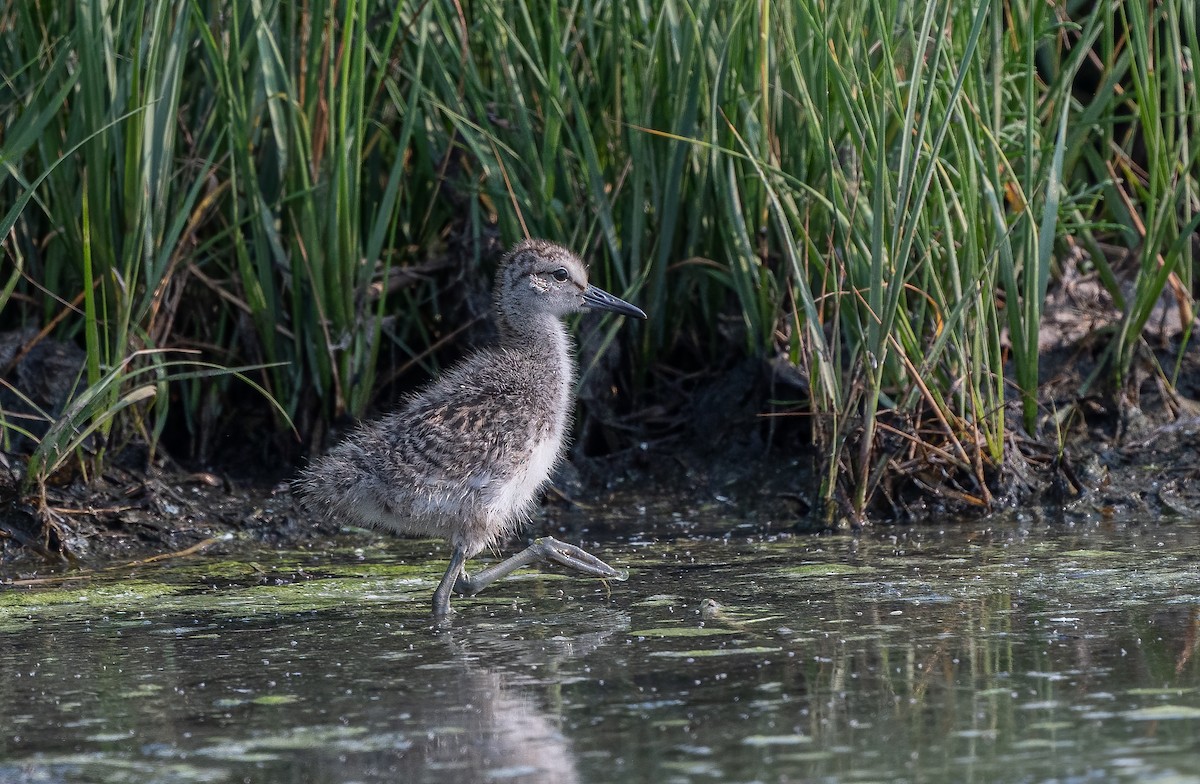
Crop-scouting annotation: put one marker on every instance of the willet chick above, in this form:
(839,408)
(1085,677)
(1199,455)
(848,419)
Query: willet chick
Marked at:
(465,457)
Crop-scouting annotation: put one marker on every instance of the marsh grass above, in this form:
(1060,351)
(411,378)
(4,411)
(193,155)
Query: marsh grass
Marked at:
(878,192)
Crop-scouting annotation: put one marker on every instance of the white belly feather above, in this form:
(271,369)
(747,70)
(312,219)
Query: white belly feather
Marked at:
(513,496)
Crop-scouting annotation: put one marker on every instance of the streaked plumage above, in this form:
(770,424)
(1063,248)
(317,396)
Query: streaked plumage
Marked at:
(464,458)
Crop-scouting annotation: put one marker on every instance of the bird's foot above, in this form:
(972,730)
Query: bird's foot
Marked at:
(545,549)
(550,549)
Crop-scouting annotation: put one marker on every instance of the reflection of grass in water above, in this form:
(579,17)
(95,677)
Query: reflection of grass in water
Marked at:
(924,633)
(974,663)
(1121,577)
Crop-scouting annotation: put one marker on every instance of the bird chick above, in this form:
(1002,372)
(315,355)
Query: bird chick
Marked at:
(465,457)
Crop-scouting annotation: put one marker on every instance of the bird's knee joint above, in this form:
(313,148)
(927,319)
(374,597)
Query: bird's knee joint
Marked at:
(465,586)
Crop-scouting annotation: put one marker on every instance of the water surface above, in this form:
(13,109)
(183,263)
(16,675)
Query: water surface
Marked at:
(1013,652)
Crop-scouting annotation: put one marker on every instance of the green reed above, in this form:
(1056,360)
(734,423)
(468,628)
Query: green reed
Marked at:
(878,192)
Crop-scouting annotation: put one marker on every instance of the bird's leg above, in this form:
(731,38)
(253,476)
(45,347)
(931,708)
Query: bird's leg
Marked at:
(547,549)
(454,573)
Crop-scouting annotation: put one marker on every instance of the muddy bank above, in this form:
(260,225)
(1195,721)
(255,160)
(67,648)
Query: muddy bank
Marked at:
(730,438)
(126,514)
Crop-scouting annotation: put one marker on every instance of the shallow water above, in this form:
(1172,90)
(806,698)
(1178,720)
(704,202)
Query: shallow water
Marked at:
(1006,653)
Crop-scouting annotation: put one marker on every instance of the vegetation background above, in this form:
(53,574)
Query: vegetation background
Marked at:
(305,199)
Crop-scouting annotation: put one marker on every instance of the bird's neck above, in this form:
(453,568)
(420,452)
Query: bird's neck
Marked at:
(541,336)
(527,329)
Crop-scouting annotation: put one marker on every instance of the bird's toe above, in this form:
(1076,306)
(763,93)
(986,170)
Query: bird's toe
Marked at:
(577,558)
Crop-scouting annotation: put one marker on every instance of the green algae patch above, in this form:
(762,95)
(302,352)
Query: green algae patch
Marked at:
(1164,692)
(775,740)
(217,569)
(661,600)
(109,768)
(320,594)
(1163,713)
(824,570)
(292,739)
(275,699)
(14,624)
(680,631)
(118,596)
(527,575)
(712,653)
(418,572)
(110,594)
(693,768)
(805,756)
(1091,554)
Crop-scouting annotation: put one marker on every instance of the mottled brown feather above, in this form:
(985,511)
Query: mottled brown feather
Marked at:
(465,457)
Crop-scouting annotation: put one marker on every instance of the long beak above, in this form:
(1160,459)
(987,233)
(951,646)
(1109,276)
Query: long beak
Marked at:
(599,299)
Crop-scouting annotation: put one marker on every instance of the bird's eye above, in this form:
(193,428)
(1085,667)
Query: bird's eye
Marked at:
(561,274)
